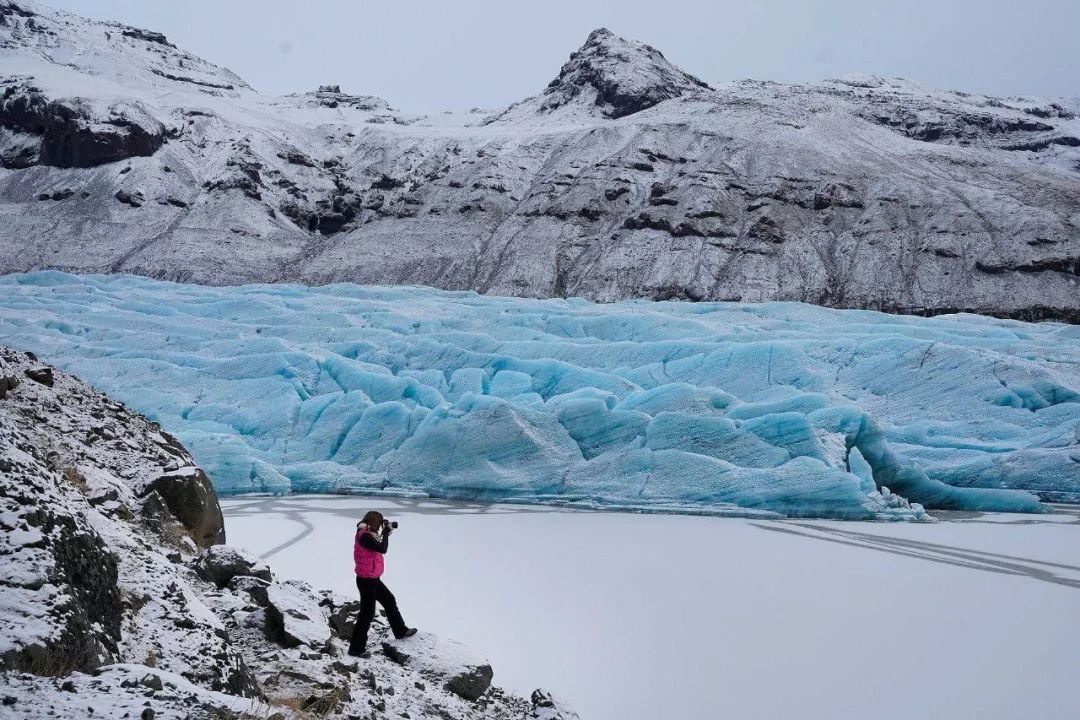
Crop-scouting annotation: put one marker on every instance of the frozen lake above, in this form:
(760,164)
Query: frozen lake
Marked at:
(660,616)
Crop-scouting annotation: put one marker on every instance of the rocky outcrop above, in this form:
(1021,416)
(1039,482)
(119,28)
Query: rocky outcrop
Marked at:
(70,134)
(621,77)
(81,588)
(108,608)
(221,563)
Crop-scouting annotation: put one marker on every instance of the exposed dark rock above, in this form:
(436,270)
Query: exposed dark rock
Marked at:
(134,199)
(147,35)
(191,498)
(385,182)
(671,202)
(221,563)
(7,382)
(87,571)
(765,228)
(57,194)
(836,195)
(9,9)
(192,81)
(626,76)
(472,683)
(295,157)
(1067,265)
(70,137)
(42,375)
(1038,144)
(343,617)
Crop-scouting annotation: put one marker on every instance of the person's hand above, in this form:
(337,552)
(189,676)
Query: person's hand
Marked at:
(387,527)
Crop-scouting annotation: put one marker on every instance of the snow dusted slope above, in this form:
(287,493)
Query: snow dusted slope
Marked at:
(730,408)
(111,607)
(625,177)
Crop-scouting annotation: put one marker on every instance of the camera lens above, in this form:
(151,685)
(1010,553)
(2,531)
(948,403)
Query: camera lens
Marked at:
(393,524)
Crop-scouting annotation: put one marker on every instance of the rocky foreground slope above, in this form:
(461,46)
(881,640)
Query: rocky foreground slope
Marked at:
(625,177)
(116,599)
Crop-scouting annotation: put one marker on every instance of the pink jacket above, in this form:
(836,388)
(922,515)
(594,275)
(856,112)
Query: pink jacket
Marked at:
(368,563)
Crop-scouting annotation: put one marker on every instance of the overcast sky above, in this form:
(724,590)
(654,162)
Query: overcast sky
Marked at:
(425,55)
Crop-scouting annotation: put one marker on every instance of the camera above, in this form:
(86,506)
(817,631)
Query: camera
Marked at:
(390,523)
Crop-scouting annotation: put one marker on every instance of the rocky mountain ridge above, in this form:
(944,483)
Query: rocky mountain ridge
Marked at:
(625,177)
(116,599)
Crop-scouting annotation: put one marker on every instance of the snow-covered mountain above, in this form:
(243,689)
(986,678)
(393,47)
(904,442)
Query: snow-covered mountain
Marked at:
(625,177)
(116,600)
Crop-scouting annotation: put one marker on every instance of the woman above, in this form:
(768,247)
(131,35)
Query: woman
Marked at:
(369,546)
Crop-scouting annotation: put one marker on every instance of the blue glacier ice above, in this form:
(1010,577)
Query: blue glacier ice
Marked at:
(713,407)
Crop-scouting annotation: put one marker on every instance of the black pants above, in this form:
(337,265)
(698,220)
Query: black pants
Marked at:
(373,590)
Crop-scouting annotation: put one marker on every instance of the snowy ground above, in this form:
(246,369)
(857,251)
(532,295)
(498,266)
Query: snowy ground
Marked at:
(655,616)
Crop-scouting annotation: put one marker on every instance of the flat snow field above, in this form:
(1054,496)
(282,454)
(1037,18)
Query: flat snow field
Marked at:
(662,616)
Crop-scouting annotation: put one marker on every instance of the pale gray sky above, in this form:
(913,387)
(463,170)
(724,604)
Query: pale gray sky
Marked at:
(425,55)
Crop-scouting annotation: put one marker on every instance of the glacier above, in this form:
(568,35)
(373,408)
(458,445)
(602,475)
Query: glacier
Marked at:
(772,409)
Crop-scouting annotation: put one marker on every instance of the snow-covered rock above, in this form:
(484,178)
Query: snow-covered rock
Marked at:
(296,616)
(625,177)
(459,670)
(221,563)
(119,691)
(103,608)
(85,575)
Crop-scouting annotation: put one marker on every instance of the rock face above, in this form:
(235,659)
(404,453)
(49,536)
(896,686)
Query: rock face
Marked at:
(80,588)
(72,133)
(98,576)
(625,177)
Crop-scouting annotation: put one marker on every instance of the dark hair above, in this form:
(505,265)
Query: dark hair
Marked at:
(373,519)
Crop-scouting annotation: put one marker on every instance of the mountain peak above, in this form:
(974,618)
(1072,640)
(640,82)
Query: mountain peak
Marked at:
(621,76)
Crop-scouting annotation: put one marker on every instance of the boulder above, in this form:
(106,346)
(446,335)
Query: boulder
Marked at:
(343,613)
(41,375)
(253,586)
(221,563)
(294,616)
(461,672)
(188,494)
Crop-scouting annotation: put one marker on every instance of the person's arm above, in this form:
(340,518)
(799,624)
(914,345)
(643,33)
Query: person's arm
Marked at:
(368,541)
